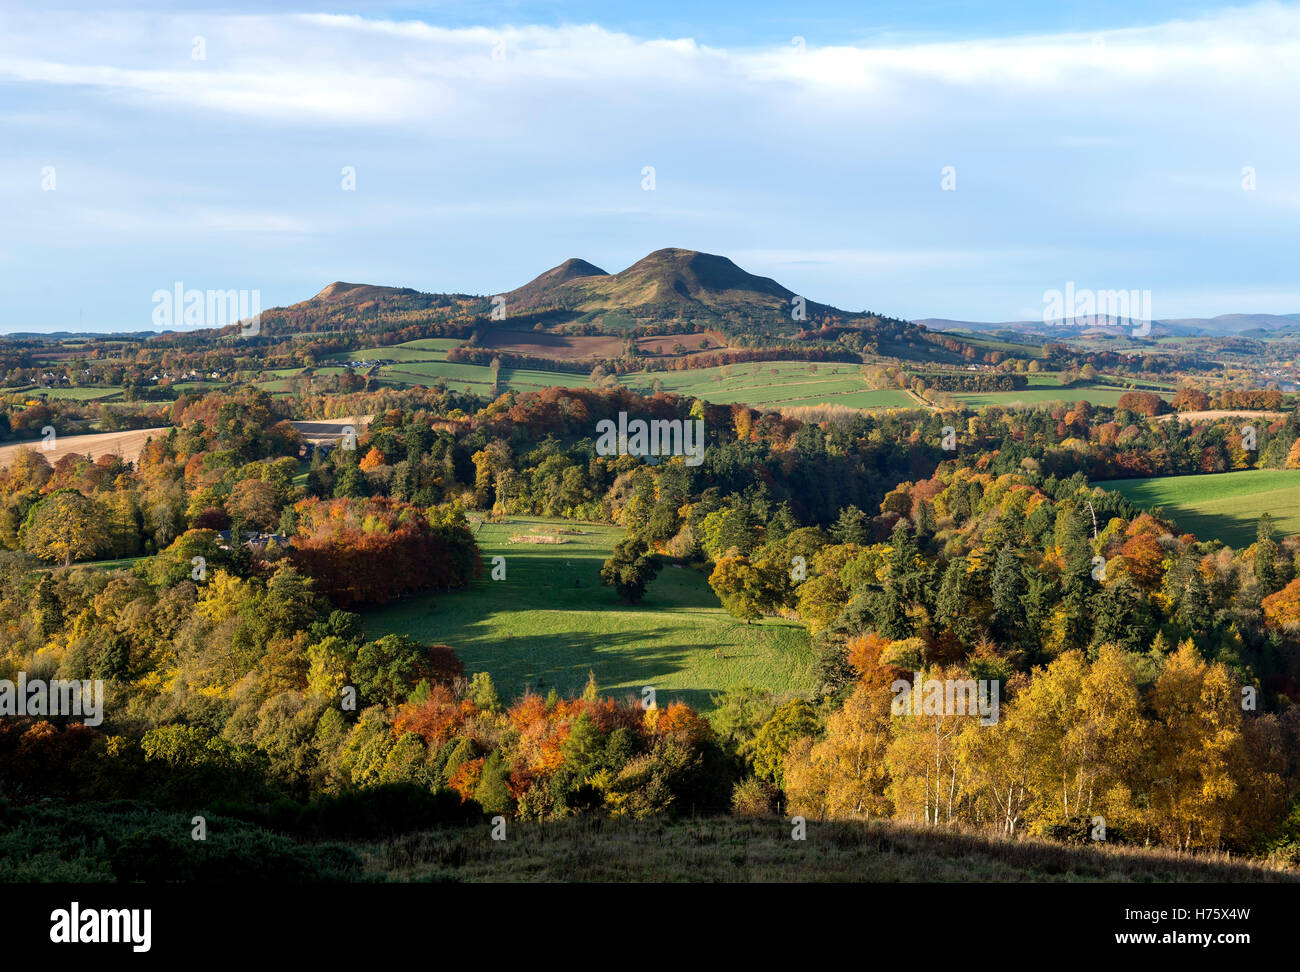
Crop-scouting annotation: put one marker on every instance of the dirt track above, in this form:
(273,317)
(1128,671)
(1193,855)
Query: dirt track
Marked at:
(125,444)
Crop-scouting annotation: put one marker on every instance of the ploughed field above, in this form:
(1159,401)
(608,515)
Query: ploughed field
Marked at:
(127,444)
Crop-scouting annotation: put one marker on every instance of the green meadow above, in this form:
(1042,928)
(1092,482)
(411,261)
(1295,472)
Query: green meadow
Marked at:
(86,393)
(1224,506)
(1037,394)
(774,384)
(477,377)
(424,349)
(762,385)
(550,622)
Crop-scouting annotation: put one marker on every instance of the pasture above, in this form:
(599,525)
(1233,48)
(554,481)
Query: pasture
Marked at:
(1039,394)
(1224,506)
(424,349)
(550,622)
(771,384)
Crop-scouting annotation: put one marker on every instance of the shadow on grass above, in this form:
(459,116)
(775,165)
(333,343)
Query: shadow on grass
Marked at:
(720,848)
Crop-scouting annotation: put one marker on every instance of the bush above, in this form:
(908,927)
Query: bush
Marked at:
(752,797)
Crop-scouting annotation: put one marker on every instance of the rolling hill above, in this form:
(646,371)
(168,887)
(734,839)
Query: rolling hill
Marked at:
(1223,325)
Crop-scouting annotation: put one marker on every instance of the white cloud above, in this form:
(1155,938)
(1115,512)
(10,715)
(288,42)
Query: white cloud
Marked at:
(349,69)
(821,168)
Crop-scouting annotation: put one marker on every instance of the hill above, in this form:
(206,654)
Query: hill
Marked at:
(668,283)
(1221,506)
(129,841)
(351,307)
(339,291)
(541,291)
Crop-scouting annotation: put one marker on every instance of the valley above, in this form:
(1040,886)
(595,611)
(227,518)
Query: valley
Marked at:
(469,613)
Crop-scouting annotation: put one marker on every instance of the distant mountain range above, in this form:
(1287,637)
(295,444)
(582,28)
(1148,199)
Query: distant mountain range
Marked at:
(1222,326)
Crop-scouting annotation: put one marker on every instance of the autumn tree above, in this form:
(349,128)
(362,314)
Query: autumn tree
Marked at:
(254,504)
(846,774)
(789,722)
(1197,752)
(747,588)
(1189,399)
(65,526)
(1282,610)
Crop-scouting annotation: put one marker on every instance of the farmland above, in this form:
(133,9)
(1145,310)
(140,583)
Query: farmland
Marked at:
(1047,387)
(125,444)
(1097,395)
(477,377)
(424,349)
(1225,506)
(550,622)
(775,383)
(761,384)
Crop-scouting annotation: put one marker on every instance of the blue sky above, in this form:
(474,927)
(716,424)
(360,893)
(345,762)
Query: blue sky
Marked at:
(1102,144)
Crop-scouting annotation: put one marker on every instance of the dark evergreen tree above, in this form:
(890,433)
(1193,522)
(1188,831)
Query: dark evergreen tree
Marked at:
(952,607)
(851,527)
(1007,588)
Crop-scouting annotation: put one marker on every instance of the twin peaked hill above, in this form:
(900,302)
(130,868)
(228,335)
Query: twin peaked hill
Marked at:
(671,281)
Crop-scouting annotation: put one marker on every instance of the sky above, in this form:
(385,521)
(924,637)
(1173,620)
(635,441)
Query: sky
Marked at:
(917,159)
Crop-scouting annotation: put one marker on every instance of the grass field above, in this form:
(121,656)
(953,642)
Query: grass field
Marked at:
(126,841)
(775,383)
(537,630)
(424,349)
(282,379)
(88,393)
(728,849)
(1046,386)
(766,384)
(477,377)
(1225,506)
(1037,394)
